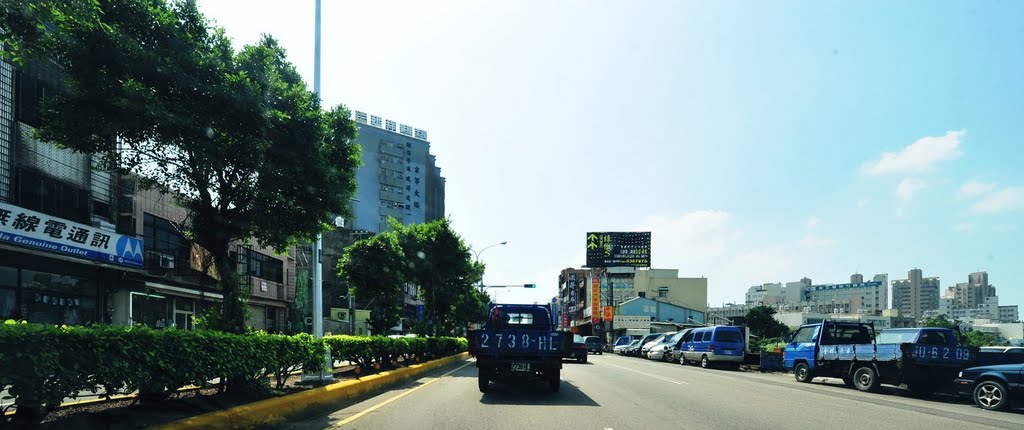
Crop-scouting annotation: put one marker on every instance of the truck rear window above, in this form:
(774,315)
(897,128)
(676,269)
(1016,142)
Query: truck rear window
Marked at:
(846,335)
(895,337)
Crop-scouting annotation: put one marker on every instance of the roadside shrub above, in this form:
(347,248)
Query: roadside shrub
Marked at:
(372,351)
(40,365)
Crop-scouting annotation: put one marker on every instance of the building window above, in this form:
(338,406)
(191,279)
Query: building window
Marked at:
(51,298)
(8,295)
(264,266)
(149,310)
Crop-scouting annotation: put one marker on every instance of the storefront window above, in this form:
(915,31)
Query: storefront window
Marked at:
(49,298)
(8,282)
(150,310)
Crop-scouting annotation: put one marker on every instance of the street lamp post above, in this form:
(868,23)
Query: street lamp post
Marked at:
(477,255)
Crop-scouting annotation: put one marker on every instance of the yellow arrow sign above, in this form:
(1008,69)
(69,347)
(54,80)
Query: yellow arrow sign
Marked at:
(591,237)
(592,245)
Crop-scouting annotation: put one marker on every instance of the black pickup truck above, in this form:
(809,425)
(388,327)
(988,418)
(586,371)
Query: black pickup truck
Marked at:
(519,341)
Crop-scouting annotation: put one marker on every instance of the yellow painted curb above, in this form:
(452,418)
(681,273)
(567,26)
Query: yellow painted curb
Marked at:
(275,410)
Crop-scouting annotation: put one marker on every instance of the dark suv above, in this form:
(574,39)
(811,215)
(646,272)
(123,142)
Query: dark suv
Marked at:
(594,344)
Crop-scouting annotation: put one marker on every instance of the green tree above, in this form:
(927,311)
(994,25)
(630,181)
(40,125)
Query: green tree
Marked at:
(978,339)
(374,269)
(761,322)
(154,91)
(439,262)
(941,321)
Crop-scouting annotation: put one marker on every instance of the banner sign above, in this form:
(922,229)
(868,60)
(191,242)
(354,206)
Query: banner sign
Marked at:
(614,249)
(36,230)
(572,291)
(595,300)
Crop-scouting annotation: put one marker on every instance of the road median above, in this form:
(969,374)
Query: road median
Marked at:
(276,410)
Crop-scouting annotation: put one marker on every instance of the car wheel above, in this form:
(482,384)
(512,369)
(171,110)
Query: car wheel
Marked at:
(704,362)
(584,360)
(991,395)
(483,382)
(866,379)
(802,372)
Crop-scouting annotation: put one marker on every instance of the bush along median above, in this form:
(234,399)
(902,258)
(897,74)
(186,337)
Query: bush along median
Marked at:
(40,365)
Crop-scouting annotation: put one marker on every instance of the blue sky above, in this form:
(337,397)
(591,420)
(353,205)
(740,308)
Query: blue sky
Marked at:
(757,141)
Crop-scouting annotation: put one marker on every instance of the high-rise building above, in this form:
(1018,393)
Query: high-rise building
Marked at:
(980,288)
(856,278)
(883,278)
(399,177)
(916,294)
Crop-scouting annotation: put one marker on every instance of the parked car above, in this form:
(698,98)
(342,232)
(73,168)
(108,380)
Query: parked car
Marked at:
(624,349)
(624,341)
(594,344)
(713,345)
(994,387)
(633,349)
(661,349)
(578,350)
(990,355)
(643,341)
(673,346)
(648,342)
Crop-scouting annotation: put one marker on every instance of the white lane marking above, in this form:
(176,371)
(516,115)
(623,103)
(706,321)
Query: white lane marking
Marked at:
(647,374)
(381,404)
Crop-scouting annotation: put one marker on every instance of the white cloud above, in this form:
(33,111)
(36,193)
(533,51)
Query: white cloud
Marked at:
(862,203)
(813,222)
(1006,199)
(974,188)
(919,156)
(908,187)
(700,236)
(813,241)
(965,227)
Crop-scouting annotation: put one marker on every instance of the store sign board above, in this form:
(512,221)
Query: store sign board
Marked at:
(36,230)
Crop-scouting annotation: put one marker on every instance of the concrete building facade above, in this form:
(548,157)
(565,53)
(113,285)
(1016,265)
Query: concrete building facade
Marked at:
(916,294)
(399,177)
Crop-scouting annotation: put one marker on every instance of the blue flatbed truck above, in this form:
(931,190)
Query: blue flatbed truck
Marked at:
(519,341)
(927,359)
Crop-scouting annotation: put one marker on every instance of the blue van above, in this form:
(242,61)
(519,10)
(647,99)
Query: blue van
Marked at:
(713,345)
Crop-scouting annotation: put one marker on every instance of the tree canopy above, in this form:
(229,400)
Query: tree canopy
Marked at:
(440,263)
(374,270)
(762,323)
(155,91)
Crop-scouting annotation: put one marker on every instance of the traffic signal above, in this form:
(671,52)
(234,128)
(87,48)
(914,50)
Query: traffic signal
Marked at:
(529,285)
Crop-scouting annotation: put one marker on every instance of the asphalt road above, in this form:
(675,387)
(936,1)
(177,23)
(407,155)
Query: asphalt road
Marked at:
(613,392)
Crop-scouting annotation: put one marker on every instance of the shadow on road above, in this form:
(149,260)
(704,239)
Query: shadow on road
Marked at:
(534,393)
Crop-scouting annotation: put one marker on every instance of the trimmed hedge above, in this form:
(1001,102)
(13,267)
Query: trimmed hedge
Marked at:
(40,365)
(376,351)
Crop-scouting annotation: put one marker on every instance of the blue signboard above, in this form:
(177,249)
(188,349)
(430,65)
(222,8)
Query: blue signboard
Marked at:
(36,230)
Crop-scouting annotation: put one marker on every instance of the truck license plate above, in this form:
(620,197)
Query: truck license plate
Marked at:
(520,367)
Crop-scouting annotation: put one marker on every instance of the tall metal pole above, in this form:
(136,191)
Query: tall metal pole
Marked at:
(318,280)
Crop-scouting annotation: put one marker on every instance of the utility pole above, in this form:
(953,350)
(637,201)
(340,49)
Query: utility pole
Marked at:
(318,280)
